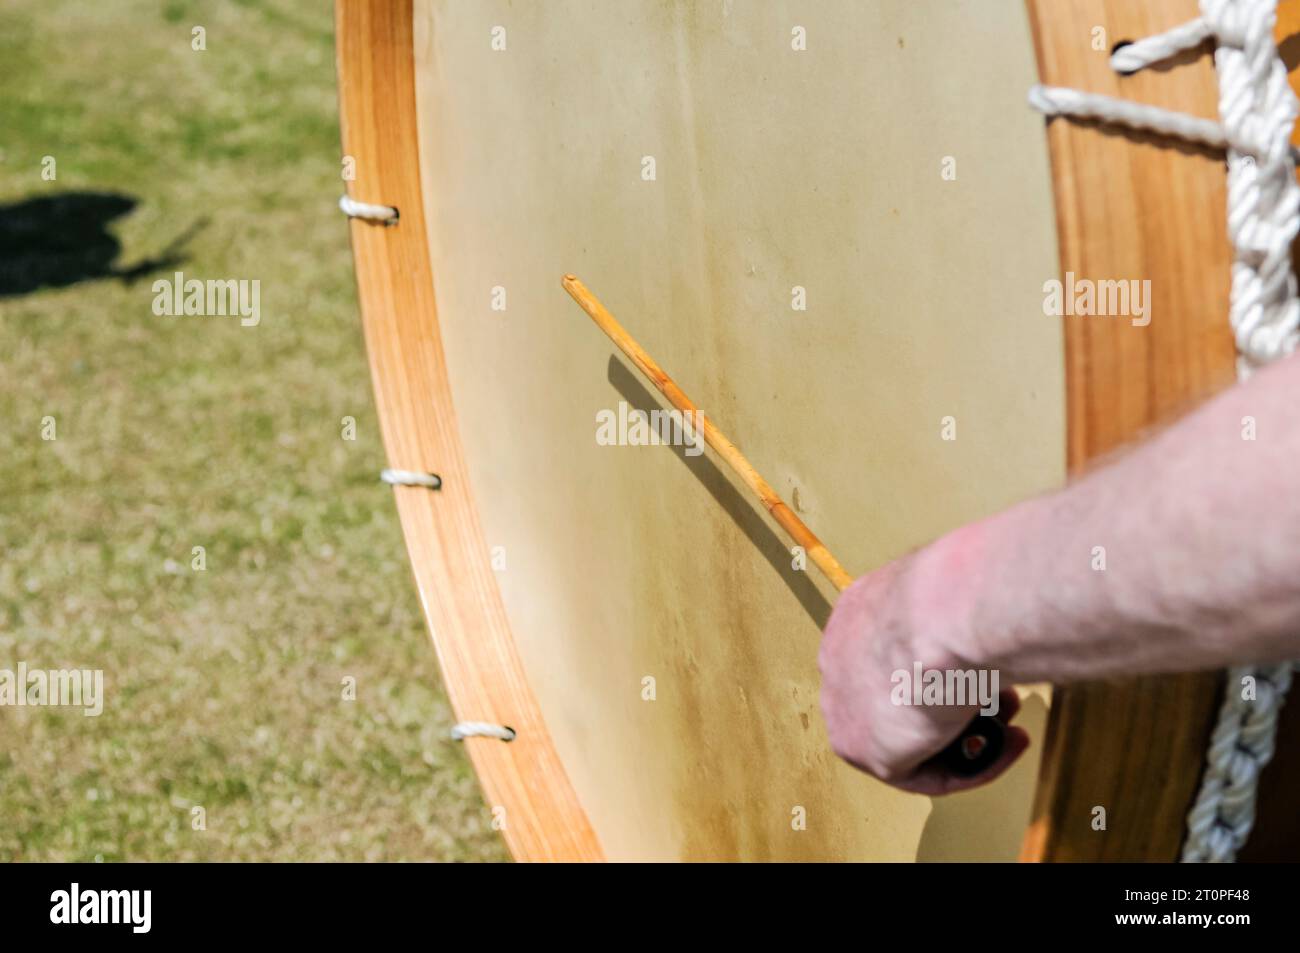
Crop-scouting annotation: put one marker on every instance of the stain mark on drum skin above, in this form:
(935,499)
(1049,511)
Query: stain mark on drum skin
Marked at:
(740,691)
(732,689)
(709,821)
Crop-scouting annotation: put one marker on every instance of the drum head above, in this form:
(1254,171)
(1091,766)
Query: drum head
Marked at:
(832,224)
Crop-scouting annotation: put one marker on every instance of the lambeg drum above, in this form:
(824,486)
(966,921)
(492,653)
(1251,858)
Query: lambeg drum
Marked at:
(857,247)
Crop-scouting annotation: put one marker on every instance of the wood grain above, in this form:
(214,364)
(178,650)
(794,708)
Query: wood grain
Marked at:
(1133,207)
(485,681)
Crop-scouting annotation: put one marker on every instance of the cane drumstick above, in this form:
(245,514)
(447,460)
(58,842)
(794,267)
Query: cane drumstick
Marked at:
(982,741)
(714,437)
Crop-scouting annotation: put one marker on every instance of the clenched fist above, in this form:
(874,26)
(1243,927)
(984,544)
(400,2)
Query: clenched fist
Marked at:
(884,626)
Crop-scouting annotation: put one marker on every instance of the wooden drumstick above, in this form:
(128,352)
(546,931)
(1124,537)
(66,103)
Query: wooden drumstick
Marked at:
(982,741)
(714,437)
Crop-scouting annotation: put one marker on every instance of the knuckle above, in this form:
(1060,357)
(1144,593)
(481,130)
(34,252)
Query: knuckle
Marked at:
(887,773)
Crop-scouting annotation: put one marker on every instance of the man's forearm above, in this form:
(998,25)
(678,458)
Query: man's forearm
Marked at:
(1182,554)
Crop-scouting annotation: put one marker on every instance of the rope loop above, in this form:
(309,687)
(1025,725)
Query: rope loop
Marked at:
(375,213)
(1140,54)
(482,729)
(411,478)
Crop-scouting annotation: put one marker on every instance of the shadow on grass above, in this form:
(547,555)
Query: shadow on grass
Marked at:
(59,240)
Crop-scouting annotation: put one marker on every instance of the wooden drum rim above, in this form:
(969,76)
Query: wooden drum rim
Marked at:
(485,679)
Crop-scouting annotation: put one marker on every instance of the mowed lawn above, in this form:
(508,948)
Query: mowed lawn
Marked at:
(224,687)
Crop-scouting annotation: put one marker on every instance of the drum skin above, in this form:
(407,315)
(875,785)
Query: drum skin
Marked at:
(627,609)
(774,170)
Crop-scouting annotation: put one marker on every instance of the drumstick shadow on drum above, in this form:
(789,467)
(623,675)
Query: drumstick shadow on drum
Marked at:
(737,506)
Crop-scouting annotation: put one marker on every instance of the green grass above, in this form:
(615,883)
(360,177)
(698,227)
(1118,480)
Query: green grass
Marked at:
(224,687)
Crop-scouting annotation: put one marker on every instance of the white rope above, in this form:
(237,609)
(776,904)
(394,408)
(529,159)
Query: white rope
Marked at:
(1240,747)
(1061,101)
(379,213)
(1076,104)
(411,478)
(1132,57)
(1257,112)
(481,729)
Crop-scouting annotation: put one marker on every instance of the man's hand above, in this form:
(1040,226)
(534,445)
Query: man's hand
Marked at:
(882,624)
